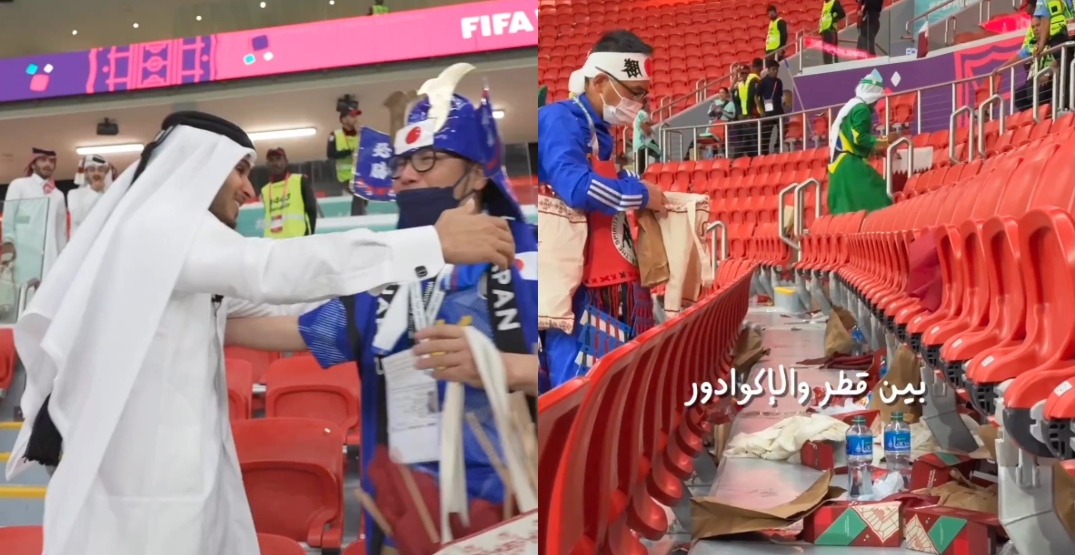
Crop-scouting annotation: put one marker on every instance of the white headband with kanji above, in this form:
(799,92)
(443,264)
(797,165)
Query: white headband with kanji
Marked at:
(624,66)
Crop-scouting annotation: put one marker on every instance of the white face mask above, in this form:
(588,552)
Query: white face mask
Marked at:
(623,113)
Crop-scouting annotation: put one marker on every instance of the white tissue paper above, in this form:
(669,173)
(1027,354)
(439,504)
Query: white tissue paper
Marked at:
(892,483)
(783,441)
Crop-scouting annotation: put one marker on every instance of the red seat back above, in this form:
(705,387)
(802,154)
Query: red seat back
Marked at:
(293,475)
(297,387)
(240,376)
(270,544)
(260,360)
(21,540)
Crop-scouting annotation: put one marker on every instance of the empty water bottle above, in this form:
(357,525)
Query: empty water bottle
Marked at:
(897,440)
(858,341)
(859,440)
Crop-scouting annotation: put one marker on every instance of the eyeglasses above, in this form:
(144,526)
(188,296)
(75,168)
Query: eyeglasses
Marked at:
(632,94)
(422,161)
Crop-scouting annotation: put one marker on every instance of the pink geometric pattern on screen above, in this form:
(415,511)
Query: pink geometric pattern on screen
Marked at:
(155,64)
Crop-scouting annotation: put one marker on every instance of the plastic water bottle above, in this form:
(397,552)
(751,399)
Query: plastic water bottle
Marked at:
(897,440)
(859,441)
(858,341)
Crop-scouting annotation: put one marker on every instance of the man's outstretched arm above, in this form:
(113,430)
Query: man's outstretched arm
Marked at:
(273,333)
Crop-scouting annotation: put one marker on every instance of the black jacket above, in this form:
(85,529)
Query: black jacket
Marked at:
(771,89)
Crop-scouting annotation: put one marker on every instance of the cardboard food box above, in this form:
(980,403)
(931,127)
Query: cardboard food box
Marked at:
(824,455)
(934,469)
(863,524)
(951,531)
(850,523)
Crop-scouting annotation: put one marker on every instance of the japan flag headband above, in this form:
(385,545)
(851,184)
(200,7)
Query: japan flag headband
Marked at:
(623,66)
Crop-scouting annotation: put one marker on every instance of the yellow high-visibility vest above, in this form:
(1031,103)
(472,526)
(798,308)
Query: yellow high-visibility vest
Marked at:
(745,102)
(826,16)
(344,166)
(379,10)
(772,41)
(1058,17)
(285,211)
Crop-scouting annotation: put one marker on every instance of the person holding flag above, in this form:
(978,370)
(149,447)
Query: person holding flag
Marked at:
(448,154)
(576,168)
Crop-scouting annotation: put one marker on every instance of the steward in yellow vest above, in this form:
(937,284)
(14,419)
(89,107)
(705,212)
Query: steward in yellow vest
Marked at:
(378,8)
(1053,16)
(777,37)
(342,144)
(831,13)
(290,204)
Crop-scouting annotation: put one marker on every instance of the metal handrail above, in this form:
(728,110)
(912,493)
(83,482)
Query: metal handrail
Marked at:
(24,297)
(723,255)
(783,234)
(997,99)
(800,225)
(889,155)
(1034,89)
(952,132)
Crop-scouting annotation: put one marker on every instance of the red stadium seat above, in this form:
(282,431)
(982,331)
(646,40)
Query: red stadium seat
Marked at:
(293,474)
(297,387)
(240,375)
(279,545)
(7,359)
(21,540)
(260,360)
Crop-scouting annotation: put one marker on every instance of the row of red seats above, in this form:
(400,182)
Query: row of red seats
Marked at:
(1004,239)
(298,387)
(7,359)
(643,387)
(27,540)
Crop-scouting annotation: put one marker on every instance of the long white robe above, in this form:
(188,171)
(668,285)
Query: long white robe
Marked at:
(79,203)
(36,224)
(169,482)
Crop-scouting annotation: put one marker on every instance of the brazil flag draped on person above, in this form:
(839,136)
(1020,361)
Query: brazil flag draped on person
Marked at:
(853,184)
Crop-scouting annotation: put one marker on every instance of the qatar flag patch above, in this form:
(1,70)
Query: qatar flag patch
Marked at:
(415,136)
(526,263)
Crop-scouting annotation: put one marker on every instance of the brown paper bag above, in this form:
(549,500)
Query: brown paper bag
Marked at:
(903,372)
(649,248)
(961,493)
(748,351)
(988,433)
(838,332)
(1064,498)
(711,518)
(722,433)
(561,247)
(689,268)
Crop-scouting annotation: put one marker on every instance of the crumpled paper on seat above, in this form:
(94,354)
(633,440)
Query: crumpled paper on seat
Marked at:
(711,517)
(961,493)
(783,441)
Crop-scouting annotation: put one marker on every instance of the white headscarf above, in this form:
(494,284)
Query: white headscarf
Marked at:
(92,161)
(97,311)
(625,66)
(869,91)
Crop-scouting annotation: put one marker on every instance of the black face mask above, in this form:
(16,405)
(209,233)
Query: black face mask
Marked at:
(423,207)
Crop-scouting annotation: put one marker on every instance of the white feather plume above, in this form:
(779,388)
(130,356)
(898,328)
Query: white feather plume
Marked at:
(440,89)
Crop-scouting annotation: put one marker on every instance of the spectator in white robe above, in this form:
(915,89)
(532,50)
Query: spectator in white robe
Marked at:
(94,175)
(35,219)
(123,343)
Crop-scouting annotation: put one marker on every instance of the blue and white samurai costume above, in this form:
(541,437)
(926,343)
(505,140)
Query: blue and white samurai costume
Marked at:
(344,329)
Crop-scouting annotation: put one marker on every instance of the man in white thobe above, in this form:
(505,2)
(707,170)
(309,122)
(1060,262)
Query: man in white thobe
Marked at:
(123,342)
(94,175)
(35,218)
